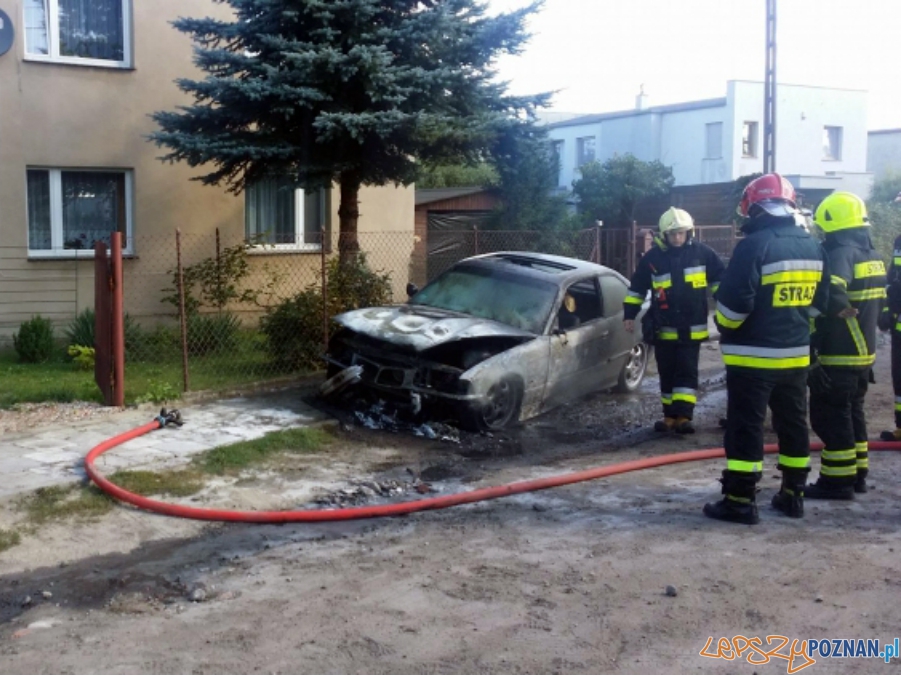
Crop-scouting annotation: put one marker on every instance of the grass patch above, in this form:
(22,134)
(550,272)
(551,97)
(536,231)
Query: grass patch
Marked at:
(245,453)
(8,538)
(177,483)
(59,502)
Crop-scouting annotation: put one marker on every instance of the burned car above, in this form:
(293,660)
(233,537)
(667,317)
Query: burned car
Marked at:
(495,339)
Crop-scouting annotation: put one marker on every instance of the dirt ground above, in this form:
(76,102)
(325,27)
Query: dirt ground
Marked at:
(569,580)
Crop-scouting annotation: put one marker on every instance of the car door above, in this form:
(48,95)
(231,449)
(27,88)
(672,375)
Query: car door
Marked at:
(620,342)
(578,344)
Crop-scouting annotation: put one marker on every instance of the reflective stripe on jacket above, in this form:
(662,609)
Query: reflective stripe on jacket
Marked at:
(678,278)
(857,279)
(775,281)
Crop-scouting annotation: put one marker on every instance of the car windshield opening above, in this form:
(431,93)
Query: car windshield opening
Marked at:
(518,301)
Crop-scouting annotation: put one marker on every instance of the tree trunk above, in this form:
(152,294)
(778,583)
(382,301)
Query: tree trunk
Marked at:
(348,217)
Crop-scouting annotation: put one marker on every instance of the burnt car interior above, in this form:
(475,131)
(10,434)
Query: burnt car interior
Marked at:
(581,304)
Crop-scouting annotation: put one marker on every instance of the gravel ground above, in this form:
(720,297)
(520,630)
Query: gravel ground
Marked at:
(23,417)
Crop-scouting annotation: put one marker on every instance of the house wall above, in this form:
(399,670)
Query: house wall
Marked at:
(884,152)
(78,116)
(801,114)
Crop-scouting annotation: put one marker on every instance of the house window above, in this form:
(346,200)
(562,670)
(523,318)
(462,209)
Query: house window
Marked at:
(584,150)
(278,213)
(714,141)
(88,32)
(70,210)
(749,139)
(832,143)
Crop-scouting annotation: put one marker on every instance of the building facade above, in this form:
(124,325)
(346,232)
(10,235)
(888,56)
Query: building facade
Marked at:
(76,92)
(884,153)
(821,140)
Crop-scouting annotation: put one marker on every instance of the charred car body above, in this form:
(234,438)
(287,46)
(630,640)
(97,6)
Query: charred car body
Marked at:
(495,339)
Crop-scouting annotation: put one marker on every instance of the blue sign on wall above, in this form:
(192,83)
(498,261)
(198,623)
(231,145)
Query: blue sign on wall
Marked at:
(6,33)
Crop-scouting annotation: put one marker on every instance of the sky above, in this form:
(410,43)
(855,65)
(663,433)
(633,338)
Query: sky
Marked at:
(598,53)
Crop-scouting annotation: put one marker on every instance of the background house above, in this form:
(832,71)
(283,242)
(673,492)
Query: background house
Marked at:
(821,141)
(77,90)
(884,152)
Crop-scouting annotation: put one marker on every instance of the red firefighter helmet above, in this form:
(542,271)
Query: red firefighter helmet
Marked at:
(772,193)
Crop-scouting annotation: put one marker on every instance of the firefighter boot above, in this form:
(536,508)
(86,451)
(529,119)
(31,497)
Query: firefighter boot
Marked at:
(891,435)
(790,498)
(740,502)
(860,486)
(684,426)
(824,489)
(665,425)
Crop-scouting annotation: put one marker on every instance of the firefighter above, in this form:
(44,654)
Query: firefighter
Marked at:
(889,321)
(678,271)
(845,347)
(774,282)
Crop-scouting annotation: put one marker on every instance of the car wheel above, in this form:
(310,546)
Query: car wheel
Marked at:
(634,369)
(498,410)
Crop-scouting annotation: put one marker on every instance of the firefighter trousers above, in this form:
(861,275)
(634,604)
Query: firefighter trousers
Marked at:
(837,416)
(677,365)
(749,395)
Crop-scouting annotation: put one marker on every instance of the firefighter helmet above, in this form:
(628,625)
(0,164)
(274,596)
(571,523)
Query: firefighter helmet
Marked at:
(674,219)
(840,211)
(772,193)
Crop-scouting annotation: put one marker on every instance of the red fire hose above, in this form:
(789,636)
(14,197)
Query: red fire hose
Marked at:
(395,509)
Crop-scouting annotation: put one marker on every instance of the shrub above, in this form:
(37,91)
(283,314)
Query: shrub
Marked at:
(294,331)
(293,328)
(81,331)
(212,334)
(83,356)
(34,340)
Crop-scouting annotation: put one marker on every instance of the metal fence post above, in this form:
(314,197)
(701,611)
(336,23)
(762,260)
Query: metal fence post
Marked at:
(183,324)
(597,242)
(324,291)
(118,321)
(475,239)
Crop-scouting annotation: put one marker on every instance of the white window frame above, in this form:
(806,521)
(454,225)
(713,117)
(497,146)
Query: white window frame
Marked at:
(301,244)
(52,8)
(835,154)
(752,128)
(708,150)
(57,238)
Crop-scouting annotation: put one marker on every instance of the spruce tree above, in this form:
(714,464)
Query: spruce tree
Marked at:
(353,92)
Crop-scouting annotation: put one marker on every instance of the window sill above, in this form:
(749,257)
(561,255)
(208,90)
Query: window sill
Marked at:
(831,159)
(276,250)
(749,157)
(76,61)
(69,255)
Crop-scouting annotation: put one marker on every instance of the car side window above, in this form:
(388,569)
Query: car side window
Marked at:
(614,291)
(581,304)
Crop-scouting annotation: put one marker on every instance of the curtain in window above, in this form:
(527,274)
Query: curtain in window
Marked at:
(269,215)
(93,208)
(91,29)
(36,39)
(38,189)
(313,216)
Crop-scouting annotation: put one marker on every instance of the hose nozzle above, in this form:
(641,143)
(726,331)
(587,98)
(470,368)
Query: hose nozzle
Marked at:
(172,417)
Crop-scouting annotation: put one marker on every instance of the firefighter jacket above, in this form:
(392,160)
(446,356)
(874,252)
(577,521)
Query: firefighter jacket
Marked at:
(856,279)
(893,288)
(775,281)
(678,278)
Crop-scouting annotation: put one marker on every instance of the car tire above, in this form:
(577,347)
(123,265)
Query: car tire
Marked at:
(499,411)
(634,368)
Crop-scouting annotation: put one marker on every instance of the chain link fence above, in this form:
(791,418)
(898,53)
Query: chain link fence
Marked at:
(209,312)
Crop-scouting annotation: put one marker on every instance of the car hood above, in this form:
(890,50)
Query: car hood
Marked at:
(420,328)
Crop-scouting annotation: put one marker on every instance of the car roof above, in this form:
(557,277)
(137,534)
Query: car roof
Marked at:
(555,269)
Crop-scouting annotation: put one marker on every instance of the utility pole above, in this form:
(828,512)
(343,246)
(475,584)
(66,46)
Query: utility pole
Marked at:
(769,105)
